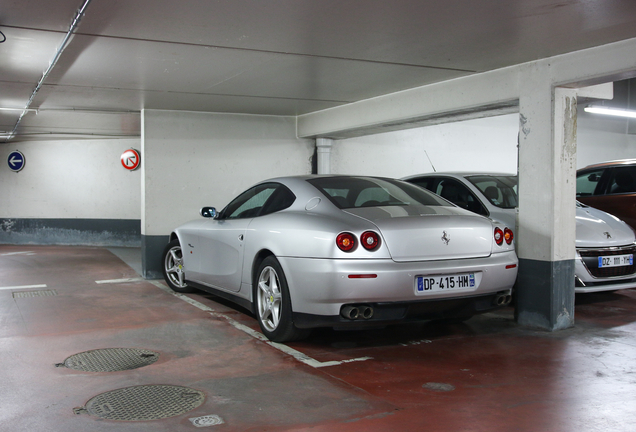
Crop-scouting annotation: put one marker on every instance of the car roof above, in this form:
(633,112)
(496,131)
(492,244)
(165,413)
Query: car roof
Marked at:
(610,163)
(458,174)
(299,183)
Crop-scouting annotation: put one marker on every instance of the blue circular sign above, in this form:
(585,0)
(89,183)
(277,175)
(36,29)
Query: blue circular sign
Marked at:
(15,161)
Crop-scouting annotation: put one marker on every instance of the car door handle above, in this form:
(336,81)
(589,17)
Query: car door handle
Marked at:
(241,237)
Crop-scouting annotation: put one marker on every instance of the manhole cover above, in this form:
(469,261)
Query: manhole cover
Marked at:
(143,403)
(110,359)
(28,294)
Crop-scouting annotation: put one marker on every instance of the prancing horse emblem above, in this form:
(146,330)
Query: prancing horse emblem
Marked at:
(609,236)
(445,237)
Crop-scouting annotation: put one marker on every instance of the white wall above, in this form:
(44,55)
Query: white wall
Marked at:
(488,144)
(602,138)
(199,159)
(81,179)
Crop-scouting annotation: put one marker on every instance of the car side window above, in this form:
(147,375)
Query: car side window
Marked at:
(588,183)
(424,182)
(622,180)
(461,196)
(249,203)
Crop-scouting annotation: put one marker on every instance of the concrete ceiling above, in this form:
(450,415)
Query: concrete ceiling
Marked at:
(272,57)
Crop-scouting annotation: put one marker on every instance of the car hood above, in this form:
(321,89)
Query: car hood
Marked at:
(595,228)
(422,233)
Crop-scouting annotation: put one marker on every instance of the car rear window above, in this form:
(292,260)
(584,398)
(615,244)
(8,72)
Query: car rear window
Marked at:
(356,192)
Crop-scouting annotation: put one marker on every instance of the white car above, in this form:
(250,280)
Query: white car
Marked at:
(605,245)
(342,251)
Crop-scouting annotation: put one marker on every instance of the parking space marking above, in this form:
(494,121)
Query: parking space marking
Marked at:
(22,287)
(18,253)
(303,358)
(185,298)
(117,281)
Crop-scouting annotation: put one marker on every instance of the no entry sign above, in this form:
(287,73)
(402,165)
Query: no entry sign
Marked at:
(130,159)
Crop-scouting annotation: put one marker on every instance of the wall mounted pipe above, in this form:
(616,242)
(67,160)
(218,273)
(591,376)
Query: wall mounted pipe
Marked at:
(56,57)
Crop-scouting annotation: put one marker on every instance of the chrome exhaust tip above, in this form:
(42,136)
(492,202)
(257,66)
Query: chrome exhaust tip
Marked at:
(366,312)
(502,299)
(350,312)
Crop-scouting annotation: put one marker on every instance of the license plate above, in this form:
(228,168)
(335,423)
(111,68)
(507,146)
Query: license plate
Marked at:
(615,261)
(424,284)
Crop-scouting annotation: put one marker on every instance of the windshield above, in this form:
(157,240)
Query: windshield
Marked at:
(501,191)
(356,192)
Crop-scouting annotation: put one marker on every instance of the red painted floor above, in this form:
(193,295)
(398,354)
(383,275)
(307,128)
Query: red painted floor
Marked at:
(487,374)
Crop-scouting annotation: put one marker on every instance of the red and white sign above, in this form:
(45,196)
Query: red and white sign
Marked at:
(130,159)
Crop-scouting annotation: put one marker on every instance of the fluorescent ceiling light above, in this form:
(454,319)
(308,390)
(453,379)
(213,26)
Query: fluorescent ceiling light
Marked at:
(610,111)
(18,109)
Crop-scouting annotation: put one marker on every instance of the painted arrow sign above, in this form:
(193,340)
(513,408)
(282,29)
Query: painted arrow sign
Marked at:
(16,161)
(130,159)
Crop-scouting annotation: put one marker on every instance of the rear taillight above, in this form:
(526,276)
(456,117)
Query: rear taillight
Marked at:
(346,242)
(499,236)
(508,236)
(369,240)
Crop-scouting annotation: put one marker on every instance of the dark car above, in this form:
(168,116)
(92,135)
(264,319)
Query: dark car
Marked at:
(611,187)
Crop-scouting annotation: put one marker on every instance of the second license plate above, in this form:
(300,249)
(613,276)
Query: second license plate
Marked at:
(615,261)
(424,284)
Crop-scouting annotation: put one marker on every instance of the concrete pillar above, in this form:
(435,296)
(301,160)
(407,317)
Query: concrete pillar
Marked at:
(547,207)
(323,146)
(153,239)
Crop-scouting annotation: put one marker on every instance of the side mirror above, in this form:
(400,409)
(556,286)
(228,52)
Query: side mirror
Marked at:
(594,177)
(208,212)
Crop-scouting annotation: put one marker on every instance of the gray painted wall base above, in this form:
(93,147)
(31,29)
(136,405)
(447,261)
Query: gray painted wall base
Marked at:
(545,294)
(151,250)
(91,232)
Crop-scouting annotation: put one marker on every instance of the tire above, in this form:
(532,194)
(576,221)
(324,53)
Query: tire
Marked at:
(172,267)
(272,303)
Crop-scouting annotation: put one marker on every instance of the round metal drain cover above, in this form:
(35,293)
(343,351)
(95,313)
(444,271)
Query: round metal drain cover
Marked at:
(143,403)
(111,359)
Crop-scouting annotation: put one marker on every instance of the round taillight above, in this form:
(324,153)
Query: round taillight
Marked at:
(369,240)
(508,236)
(346,242)
(499,236)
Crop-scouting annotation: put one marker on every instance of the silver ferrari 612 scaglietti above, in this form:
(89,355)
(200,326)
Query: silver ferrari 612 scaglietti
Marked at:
(343,252)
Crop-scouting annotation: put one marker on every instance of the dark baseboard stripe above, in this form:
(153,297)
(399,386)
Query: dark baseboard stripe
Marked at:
(91,232)
(545,294)
(151,250)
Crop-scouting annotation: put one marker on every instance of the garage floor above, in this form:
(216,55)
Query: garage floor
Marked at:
(209,368)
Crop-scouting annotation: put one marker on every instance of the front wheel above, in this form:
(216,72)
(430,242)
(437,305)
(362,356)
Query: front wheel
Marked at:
(273,304)
(173,270)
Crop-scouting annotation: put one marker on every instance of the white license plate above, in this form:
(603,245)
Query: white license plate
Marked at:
(425,284)
(615,261)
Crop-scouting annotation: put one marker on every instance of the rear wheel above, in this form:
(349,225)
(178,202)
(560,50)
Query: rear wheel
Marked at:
(173,270)
(273,304)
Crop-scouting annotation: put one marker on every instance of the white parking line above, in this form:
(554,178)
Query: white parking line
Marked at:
(117,281)
(18,253)
(22,287)
(303,358)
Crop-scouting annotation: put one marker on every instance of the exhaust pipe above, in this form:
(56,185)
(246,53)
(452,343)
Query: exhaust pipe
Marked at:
(502,299)
(356,312)
(366,312)
(350,312)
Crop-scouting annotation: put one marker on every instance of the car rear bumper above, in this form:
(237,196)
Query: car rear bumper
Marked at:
(320,287)
(396,312)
